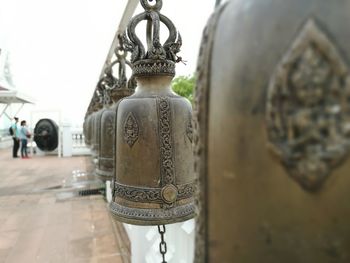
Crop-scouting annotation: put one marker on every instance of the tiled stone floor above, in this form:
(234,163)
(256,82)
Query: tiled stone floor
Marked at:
(35,226)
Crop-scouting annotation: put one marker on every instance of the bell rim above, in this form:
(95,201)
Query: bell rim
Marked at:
(178,214)
(104,175)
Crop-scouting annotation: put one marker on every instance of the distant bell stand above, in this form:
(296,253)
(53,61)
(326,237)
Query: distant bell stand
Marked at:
(154,181)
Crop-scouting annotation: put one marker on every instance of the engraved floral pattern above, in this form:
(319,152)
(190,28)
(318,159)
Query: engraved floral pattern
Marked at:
(167,169)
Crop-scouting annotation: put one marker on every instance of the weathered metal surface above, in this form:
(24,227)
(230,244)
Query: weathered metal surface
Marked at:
(46,135)
(90,121)
(272,133)
(87,129)
(200,135)
(96,130)
(105,166)
(90,129)
(154,181)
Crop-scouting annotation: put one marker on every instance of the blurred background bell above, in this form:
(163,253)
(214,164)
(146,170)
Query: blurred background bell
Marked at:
(115,89)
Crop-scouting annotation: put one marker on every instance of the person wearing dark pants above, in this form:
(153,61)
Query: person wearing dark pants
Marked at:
(24,152)
(24,135)
(15,138)
(15,147)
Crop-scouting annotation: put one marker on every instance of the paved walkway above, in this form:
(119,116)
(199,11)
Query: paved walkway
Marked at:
(37,226)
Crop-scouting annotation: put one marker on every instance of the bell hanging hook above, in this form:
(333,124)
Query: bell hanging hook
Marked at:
(148,7)
(120,51)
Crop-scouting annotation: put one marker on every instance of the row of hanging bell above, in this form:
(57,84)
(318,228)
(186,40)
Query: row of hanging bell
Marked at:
(96,126)
(89,121)
(115,89)
(87,125)
(154,181)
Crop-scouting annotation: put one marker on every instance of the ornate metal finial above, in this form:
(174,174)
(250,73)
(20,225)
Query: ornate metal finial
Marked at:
(113,85)
(96,102)
(159,59)
(122,86)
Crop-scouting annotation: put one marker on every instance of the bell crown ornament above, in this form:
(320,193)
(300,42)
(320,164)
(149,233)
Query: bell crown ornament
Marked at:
(159,59)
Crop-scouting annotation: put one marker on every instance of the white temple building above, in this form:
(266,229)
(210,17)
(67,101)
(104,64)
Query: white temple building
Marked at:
(11,100)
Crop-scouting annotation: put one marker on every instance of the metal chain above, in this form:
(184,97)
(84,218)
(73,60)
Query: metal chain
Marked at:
(162,244)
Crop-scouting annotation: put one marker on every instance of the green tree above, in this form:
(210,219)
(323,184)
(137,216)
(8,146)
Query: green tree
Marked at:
(184,86)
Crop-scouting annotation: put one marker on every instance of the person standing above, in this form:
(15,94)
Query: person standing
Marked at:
(15,138)
(24,134)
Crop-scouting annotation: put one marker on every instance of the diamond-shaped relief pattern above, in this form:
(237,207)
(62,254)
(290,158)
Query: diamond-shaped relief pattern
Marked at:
(131,129)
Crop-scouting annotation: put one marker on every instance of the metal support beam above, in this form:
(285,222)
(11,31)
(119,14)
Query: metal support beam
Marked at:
(128,12)
(4,111)
(19,109)
(217,3)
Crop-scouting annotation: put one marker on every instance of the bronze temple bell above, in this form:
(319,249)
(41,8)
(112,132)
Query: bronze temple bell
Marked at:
(88,120)
(95,121)
(154,182)
(115,89)
(86,130)
(272,142)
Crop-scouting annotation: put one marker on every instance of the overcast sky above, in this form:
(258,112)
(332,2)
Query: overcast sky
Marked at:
(57,48)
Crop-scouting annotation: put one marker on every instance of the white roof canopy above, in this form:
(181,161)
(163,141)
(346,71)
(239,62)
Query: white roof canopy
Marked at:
(13,96)
(9,97)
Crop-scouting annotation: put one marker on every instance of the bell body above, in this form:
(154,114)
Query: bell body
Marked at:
(105,167)
(91,129)
(272,141)
(96,133)
(87,130)
(154,181)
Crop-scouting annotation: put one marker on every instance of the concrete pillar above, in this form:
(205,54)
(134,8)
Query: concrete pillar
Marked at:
(67,140)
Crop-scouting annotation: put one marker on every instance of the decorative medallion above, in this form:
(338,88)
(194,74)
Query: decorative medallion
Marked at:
(131,129)
(169,193)
(167,169)
(308,109)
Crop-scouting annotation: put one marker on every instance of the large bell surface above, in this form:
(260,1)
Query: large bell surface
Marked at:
(273,133)
(46,135)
